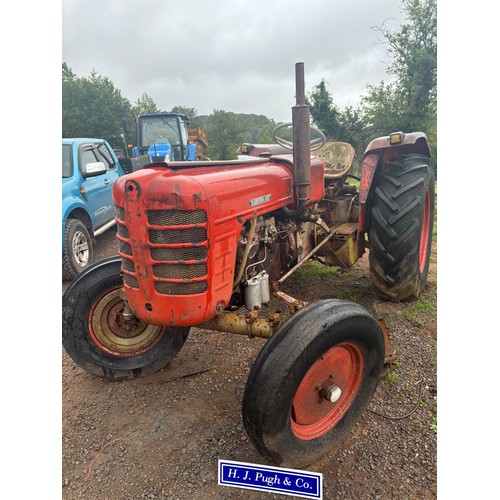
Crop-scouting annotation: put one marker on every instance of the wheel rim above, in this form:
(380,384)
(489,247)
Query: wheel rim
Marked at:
(425,232)
(113,334)
(313,415)
(80,247)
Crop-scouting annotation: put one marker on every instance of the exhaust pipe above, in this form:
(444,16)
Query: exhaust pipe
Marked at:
(301,144)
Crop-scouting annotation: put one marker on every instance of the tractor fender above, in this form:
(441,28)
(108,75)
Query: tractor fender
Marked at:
(412,142)
(378,152)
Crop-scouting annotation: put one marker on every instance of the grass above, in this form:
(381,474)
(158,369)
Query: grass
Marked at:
(433,426)
(421,310)
(312,269)
(391,375)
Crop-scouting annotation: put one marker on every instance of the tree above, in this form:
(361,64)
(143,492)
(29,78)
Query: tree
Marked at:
(224,132)
(325,115)
(408,104)
(185,110)
(67,73)
(92,107)
(145,104)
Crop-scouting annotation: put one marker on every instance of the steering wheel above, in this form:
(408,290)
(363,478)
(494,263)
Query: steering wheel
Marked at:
(315,144)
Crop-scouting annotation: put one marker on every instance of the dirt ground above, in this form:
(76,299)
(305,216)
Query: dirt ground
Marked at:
(161,436)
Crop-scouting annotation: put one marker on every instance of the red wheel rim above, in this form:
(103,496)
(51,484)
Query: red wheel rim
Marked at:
(425,232)
(111,334)
(313,415)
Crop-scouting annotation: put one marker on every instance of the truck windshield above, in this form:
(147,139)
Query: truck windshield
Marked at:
(155,129)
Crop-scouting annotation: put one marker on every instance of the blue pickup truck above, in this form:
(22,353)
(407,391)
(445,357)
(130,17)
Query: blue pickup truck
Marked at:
(89,171)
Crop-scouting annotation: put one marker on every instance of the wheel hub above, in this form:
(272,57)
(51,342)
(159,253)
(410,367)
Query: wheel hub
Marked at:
(330,392)
(114,330)
(327,391)
(80,248)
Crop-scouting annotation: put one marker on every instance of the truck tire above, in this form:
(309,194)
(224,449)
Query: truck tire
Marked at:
(400,233)
(78,251)
(312,381)
(99,340)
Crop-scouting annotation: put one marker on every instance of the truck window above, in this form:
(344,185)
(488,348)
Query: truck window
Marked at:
(67,164)
(88,156)
(105,156)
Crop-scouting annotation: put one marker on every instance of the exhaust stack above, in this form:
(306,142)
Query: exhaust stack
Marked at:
(301,144)
(301,134)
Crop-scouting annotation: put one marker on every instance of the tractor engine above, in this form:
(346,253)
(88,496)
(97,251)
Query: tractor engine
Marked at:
(195,241)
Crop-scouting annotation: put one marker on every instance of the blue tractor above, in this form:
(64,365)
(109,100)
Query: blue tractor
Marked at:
(159,137)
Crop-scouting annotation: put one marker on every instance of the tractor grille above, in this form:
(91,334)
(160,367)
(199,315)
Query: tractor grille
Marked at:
(183,271)
(176,217)
(125,248)
(172,236)
(169,288)
(122,231)
(120,213)
(180,243)
(191,253)
(131,281)
(178,246)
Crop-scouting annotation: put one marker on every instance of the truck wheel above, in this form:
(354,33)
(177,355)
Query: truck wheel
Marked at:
(78,252)
(312,381)
(400,231)
(104,342)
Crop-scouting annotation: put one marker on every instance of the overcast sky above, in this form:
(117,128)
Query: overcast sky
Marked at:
(234,55)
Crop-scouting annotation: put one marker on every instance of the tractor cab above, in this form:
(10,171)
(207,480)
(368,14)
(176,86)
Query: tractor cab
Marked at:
(164,128)
(160,137)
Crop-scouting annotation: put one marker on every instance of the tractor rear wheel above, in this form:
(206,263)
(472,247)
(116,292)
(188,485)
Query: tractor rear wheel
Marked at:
(400,233)
(312,381)
(101,339)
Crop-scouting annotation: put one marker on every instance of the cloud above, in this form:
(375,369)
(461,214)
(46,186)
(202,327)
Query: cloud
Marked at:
(234,55)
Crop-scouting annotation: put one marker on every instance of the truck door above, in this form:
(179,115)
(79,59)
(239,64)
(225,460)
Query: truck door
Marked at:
(99,189)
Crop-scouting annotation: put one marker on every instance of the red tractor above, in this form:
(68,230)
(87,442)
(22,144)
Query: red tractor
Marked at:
(206,244)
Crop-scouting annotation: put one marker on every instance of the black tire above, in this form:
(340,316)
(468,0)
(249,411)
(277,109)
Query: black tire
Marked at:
(284,415)
(400,233)
(108,349)
(78,250)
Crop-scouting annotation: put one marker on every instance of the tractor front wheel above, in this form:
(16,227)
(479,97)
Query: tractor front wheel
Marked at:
(312,381)
(400,234)
(101,335)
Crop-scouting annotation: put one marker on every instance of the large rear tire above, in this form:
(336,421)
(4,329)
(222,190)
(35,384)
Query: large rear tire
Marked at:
(101,339)
(312,381)
(400,232)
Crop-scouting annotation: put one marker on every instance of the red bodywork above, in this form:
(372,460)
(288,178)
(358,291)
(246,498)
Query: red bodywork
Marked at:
(179,230)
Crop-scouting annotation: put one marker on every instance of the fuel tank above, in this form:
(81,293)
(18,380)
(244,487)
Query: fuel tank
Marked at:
(178,231)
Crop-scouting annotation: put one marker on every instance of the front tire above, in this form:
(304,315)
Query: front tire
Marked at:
(400,233)
(312,381)
(78,251)
(101,339)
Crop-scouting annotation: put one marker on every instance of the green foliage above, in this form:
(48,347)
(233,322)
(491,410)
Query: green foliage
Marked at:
(391,375)
(324,113)
(92,107)
(226,131)
(185,110)
(433,426)
(419,310)
(409,104)
(311,269)
(145,104)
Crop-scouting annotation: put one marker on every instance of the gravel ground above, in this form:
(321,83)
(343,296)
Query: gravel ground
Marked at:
(161,436)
